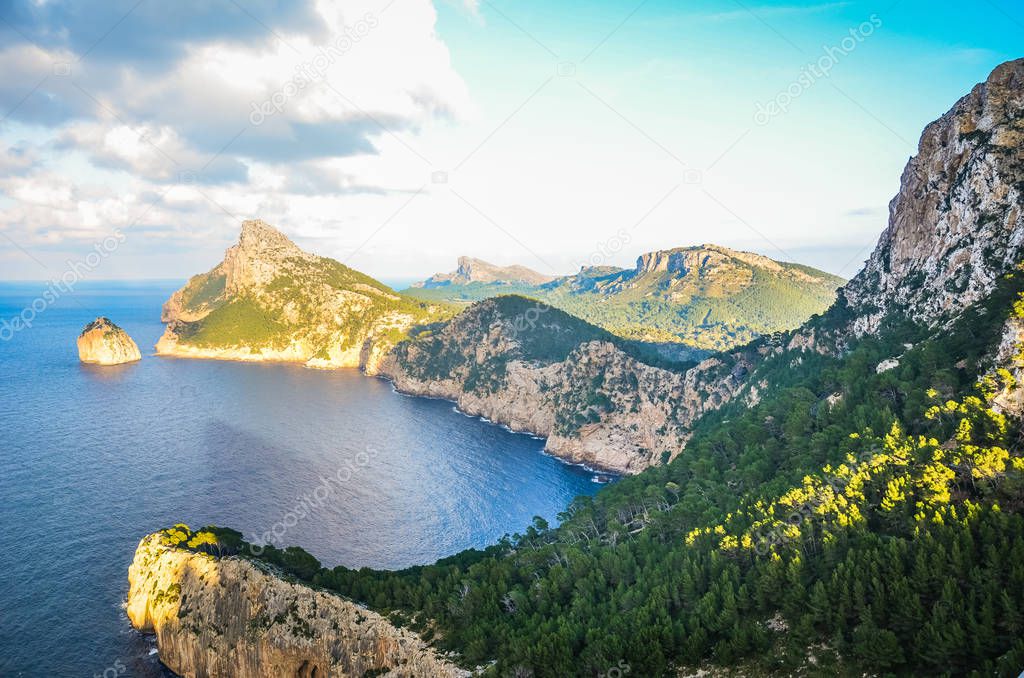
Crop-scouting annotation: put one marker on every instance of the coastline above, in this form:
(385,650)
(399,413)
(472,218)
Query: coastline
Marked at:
(596,469)
(175,350)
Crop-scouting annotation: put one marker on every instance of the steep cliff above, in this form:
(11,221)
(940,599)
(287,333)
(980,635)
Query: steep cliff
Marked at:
(533,368)
(957,223)
(228,617)
(104,343)
(270,300)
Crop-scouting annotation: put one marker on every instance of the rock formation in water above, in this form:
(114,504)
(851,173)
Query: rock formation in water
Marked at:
(270,300)
(104,343)
(232,618)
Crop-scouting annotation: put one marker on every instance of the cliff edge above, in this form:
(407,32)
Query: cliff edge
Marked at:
(228,617)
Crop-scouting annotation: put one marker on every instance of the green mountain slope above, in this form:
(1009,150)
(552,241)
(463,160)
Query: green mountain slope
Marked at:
(269,300)
(707,297)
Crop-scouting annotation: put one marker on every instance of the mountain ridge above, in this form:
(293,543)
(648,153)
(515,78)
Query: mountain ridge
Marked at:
(703,296)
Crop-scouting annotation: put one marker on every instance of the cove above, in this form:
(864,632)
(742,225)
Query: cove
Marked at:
(338,463)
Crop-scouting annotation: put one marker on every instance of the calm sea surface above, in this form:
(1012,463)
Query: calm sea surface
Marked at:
(93,458)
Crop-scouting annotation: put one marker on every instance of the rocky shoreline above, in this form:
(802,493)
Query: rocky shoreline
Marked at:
(650,410)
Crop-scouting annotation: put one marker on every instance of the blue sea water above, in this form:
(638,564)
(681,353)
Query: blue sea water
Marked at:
(94,458)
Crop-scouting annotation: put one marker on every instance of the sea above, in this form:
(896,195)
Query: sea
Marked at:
(94,458)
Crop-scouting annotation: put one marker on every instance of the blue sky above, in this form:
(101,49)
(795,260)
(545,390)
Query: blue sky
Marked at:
(548,134)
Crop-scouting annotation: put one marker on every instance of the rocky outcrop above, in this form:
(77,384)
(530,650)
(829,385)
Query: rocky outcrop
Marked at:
(472,270)
(228,617)
(957,223)
(271,301)
(595,403)
(104,343)
(1010,357)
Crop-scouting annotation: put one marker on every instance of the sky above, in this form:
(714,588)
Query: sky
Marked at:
(396,135)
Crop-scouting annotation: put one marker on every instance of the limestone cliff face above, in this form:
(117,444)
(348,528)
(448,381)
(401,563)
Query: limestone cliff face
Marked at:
(227,617)
(270,300)
(709,260)
(104,343)
(957,223)
(555,376)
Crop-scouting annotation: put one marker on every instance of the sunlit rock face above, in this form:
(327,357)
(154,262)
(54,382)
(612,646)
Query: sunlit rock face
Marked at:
(226,617)
(104,343)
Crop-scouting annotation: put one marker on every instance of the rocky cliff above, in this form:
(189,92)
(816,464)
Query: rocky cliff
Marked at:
(104,343)
(708,260)
(229,617)
(957,223)
(270,300)
(535,369)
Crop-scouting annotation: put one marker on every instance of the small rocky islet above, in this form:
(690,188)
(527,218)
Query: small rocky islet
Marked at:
(102,342)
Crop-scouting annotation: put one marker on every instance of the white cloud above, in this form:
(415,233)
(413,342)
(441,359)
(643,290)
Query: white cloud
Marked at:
(172,137)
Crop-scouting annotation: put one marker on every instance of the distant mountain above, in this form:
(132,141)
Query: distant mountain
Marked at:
(707,296)
(270,300)
(472,270)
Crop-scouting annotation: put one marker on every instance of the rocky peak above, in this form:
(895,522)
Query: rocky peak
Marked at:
(259,237)
(258,256)
(957,223)
(103,324)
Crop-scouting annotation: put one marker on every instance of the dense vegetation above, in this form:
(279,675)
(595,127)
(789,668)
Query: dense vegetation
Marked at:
(730,308)
(851,521)
(504,329)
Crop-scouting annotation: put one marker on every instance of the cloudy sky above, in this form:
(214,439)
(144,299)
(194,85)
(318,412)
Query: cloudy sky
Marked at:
(396,135)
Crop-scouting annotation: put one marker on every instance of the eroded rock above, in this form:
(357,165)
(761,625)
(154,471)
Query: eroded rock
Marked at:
(227,617)
(104,343)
